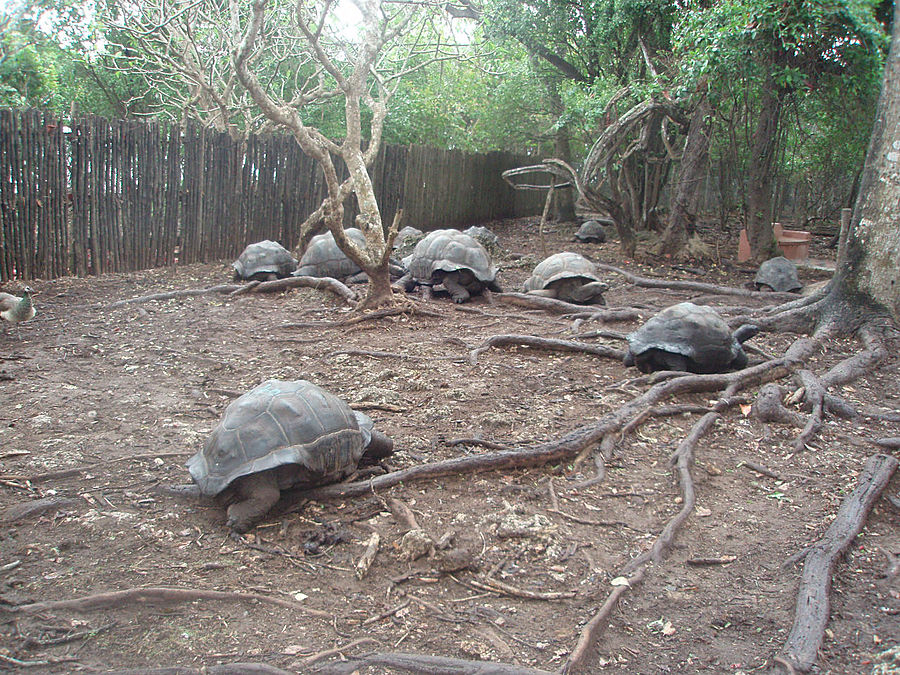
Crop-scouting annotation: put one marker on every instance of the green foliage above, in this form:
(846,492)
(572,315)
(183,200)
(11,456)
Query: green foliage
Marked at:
(459,105)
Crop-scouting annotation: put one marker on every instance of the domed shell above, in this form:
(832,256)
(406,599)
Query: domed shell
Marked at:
(280,423)
(484,235)
(591,231)
(779,274)
(565,265)
(323,257)
(449,251)
(694,331)
(264,257)
(406,233)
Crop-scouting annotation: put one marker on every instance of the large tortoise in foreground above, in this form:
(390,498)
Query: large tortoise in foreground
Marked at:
(688,337)
(453,259)
(281,435)
(263,261)
(567,276)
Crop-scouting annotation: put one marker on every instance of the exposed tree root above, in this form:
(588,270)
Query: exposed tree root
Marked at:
(571,444)
(275,286)
(330,284)
(768,407)
(428,665)
(220,669)
(562,307)
(697,286)
(222,289)
(405,308)
(545,343)
(812,610)
(153,597)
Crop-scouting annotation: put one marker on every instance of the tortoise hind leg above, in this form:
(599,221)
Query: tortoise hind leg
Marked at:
(255,495)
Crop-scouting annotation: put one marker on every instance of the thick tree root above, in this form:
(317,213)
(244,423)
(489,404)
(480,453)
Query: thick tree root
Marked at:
(697,286)
(223,289)
(571,444)
(427,665)
(275,286)
(545,343)
(153,597)
(562,307)
(769,408)
(220,669)
(812,611)
(633,573)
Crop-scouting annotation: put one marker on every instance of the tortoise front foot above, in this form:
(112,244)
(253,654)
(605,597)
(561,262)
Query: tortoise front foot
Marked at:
(256,495)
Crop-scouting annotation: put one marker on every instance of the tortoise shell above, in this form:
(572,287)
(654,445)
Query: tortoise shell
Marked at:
(565,265)
(779,274)
(323,257)
(264,258)
(695,332)
(591,231)
(449,251)
(282,423)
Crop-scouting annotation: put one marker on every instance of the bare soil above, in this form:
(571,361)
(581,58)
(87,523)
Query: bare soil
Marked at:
(127,394)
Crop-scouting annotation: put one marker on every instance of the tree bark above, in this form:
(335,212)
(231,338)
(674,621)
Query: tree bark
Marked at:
(867,270)
(761,175)
(683,214)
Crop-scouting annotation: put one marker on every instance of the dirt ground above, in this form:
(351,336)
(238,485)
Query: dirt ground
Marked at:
(125,395)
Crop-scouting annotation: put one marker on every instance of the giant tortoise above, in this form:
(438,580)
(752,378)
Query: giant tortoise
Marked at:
(591,231)
(453,259)
(263,261)
(778,274)
(323,257)
(567,276)
(281,435)
(688,337)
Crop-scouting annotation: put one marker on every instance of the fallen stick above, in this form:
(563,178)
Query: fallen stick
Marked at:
(496,586)
(760,469)
(721,560)
(403,515)
(368,556)
(813,606)
(490,445)
(386,613)
(152,597)
(309,660)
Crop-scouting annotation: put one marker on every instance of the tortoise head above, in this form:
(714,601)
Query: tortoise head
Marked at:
(745,332)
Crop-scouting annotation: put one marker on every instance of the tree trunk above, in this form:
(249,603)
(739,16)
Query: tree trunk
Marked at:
(760,176)
(683,214)
(564,199)
(867,269)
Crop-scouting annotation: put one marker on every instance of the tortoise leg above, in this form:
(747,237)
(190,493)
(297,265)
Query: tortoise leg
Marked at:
(456,291)
(379,447)
(255,495)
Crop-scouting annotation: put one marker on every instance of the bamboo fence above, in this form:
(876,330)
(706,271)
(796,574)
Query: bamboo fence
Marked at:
(93,196)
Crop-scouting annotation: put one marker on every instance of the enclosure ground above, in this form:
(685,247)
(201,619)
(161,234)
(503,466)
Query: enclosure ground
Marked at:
(126,395)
